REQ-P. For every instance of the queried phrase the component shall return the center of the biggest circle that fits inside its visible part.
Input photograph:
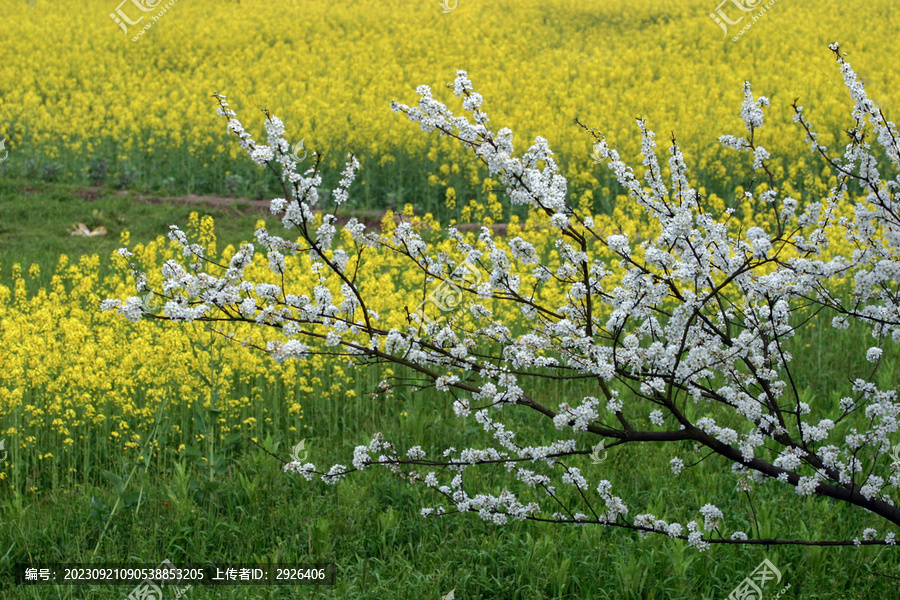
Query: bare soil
(371, 218)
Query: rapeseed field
(80, 101)
(88, 384)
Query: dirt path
(371, 218)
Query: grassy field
(226, 500)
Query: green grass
(370, 527)
(388, 181)
(36, 220)
(229, 502)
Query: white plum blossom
(712, 516)
(618, 243)
(110, 303)
(307, 470)
(415, 453)
(335, 474)
(691, 322)
(807, 486)
(282, 351)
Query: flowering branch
(692, 328)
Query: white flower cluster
(577, 418)
(703, 313)
(712, 516)
(308, 470)
(695, 537)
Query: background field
(138, 444)
(80, 102)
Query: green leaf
(200, 421)
(232, 439)
(190, 452)
(116, 482)
(133, 498)
(98, 508)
